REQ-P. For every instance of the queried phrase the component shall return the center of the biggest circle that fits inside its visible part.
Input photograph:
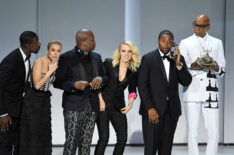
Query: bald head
(203, 18)
(85, 40)
(83, 34)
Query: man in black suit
(14, 72)
(80, 74)
(158, 79)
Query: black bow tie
(27, 58)
(166, 57)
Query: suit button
(201, 79)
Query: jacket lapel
(79, 65)
(171, 71)
(125, 78)
(94, 64)
(21, 60)
(161, 65)
(116, 72)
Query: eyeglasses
(199, 26)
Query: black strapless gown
(35, 124)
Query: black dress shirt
(85, 60)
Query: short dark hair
(167, 32)
(27, 38)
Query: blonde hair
(53, 42)
(135, 59)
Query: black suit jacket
(71, 70)
(154, 88)
(113, 93)
(12, 83)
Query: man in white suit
(202, 94)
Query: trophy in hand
(206, 60)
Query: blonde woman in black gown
(35, 123)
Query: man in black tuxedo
(14, 71)
(80, 74)
(158, 79)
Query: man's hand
(153, 116)
(81, 85)
(177, 55)
(195, 65)
(5, 121)
(95, 83)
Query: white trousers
(211, 120)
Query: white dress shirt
(166, 63)
(26, 63)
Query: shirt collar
(204, 38)
(81, 52)
(162, 54)
(23, 54)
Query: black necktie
(27, 58)
(166, 57)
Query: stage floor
(138, 150)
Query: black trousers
(159, 137)
(119, 123)
(9, 140)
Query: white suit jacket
(204, 86)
